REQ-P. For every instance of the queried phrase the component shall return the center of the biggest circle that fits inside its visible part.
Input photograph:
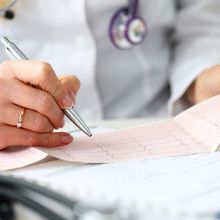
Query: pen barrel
(12, 50)
(16, 50)
(77, 120)
(71, 116)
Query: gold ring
(20, 119)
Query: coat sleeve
(197, 46)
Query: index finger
(12, 136)
(39, 74)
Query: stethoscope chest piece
(127, 29)
(136, 30)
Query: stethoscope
(126, 30)
(42, 201)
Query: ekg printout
(20, 157)
(196, 130)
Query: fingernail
(66, 139)
(67, 101)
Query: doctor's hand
(205, 86)
(31, 91)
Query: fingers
(65, 95)
(40, 74)
(71, 85)
(34, 72)
(32, 120)
(35, 99)
(11, 136)
(42, 103)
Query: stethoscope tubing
(133, 7)
(21, 184)
(11, 4)
(17, 196)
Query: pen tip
(90, 135)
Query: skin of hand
(34, 87)
(205, 86)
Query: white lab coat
(72, 35)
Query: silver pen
(15, 53)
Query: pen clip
(9, 53)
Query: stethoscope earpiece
(126, 28)
(9, 15)
(5, 9)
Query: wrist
(190, 94)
